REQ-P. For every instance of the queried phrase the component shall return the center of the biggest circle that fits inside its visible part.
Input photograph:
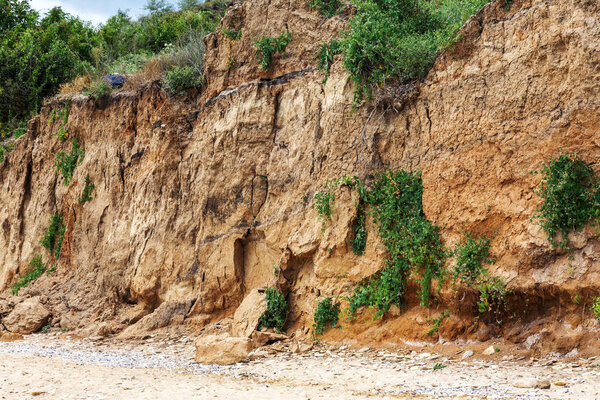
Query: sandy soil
(44, 367)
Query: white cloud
(89, 10)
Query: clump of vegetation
(277, 310)
(269, 46)
(55, 233)
(437, 322)
(391, 40)
(413, 243)
(233, 34)
(326, 313)
(325, 56)
(66, 163)
(329, 8)
(86, 195)
(324, 206)
(180, 79)
(596, 307)
(471, 256)
(571, 197)
(36, 269)
(492, 296)
(63, 116)
(99, 89)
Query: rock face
(198, 200)
(223, 350)
(27, 317)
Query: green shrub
(388, 40)
(324, 206)
(233, 34)
(472, 255)
(37, 268)
(55, 233)
(596, 307)
(66, 163)
(437, 322)
(438, 366)
(325, 56)
(99, 89)
(326, 313)
(63, 116)
(276, 313)
(571, 197)
(492, 296)
(86, 195)
(179, 79)
(329, 8)
(269, 46)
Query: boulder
(260, 338)
(247, 315)
(27, 317)
(222, 349)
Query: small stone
(364, 349)
(530, 383)
(467, 354)
(560, 383)
(489, 351)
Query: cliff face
(198, 199)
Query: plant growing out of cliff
(438, 321)
(233, 34)
(277, 310)
(359, 242)
(86, 195)
(55, 233)
(329, 8)
(324, 206)
(596, 307)
(36, 269)
(325, 56)
(66, 163)
(471, 256)
(5, 149)
(63, 116)
(267, 47)
(413, 243)
(571, 197)
(492, 296)
(326, 314)
(180, 79)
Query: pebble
(466, 354)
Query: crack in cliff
(280, 80)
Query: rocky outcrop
(198, 200)
(223, 350)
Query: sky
(95, 11)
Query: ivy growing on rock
(326, 314)
(329, 8)
(571, 197)
(471, 257)
(66, 163)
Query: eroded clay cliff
(199, 199)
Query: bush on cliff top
(392, 39)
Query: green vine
(325, 56)
(277, 310)
(86, 195)
(66, 163)
(571, 197)
(326, 313)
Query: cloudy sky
(92, 10)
